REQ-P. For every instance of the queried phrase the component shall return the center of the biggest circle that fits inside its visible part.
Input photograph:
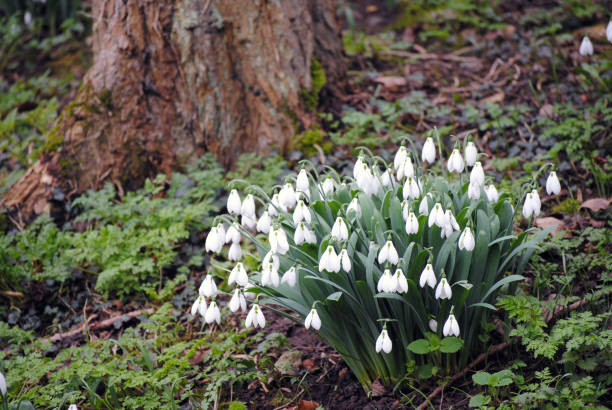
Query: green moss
(568, 206)
(318, 80)
(306, 141)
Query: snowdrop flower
(278, 241)
(329, 260)
(271, 258)
(358, 168)
(446, 230)
(471, 154)
(402, 283)
(255, 317)
(537, 205)
(424, 205)
(247, 294)
(412, 224)
(384, 342)
(451, 327)
(301, 183)
(451, 219)
(328, 186)
(199, 306)
(290, 277)
(233, 203)
(301, 213)
(312, 320)
(238, 275)
(263, 225)
(433, 325)
(248, 207)
(436, 216)
(339, 231)
(2, 385)
(221, 236)
(235, 252)
(586, 47)
(473, 191)
(233, 234)
(466, 239)
(443, 291)
(368, 183)
(354, 206)
(73, 407)
(428, 277)
(400, 158)
(455, 162)
(309, 236)
(208, 287)
(237, 301)
(213, 314)
(405, 209)
(345, 261)
(408, 168)
(491, 191)
(27, 19)
(387, 282)
(429, 151)
(269, 275)
(248, 222)
(387, 178)
(287, 196)
(477, 175)
(275, 205)
(213, 242)
(388, 253)
(609, 31)
(411, 188)
(528, 205)
(300, 234)
(552, 182)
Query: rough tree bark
(172, 79)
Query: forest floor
(507, 73)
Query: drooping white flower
(450, 224)
(471, 154)
(213, 314)
(491, 191)
(451, 219)
(405, 209)
(301, 183)
(433, 325)
(537, 204)
(354, 206)
(329, 260)
(345, 261)
(328, 186)
(312, 319)
(408, 168)
(358, 168)
(301, 213)
(278, 241)
(436, 216)
(271, 257)
(248, 222)
(412, 224)
(473, 191)
(310, 236)
(339, 231)
(238, 275)
(27, 19)
(208, 287)
(255, 317)
(247, 294)
(287, 196)
(428, 277)
(384, 342)
(199, 306)
(233, 234)
(387, 178)
(237, 301)
(477, 175)
(528, 205)
(233, 203)
(73, 407)
(300, 234)
(2, 385)
(451, 327)
(455, 162)
(248, 207)
(275, 205)
(586, 47)
(387, 282)
(443, 291)
(609, 31)
(263, 225)
(412, 189)
(424, 205)
(221, 233)
(269, 275)
(235, 252)
(466, 239)
(388, 253)
(290, 277)
(429, 151)
(368, 182)
(213, 244)
(400, 158)
(402, 283)
(552, 182)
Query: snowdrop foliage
(392, 246)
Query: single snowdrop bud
(238, 275)
(537, 204)
(328, 186)
(412, 224)
(301, 183)
(208, 287)
(408, 167)
(436, 216)
(271, 257)
(2, 385)
(300, 234)
(221, 236)
(339, 231)
(301, 213)
(451, 218)
(278, 241)
(269, 275)
(387, 178)
(428, 277)
(455, 162)
(412, 189)
(358, 168)
(354, 206)
(255, 317)
(287, 196)
(477, 175)
(290, 277)
(402, 283)
(451, 327)
(388, 253)
(429, 151)
(248, 222)
(528, 205)
(466, 240)
(235, 252)
(405, 209)
(387, 282)
(609, 31)
(384, 342)
(248, 207)
(213, 314)
(400, 158)
(237, 301)
(312, 320)
(473, 191)
(345, 261)
(199, 306)
(491, 191)
(443, 291)
(471, 154)
(233, 234)
(433, 325)
(264, 222)
(213, 244)
(586, 47)
(424, 205)
(329, 260)
(552, 182)
(233, 203)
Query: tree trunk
(172, 79)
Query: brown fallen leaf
(551, 221)
(308, 364)
(547, 111)
(307, 405)
(391, 81)
(495, 98)
(378, 389)
(596, 204)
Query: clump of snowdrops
(392, 265)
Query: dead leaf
(596, 204)
(372, 8)
(378, 389)
(546, 111)
(391, 82)
(307, 405)
(551, 221)
(308, 364)
(495, 98)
